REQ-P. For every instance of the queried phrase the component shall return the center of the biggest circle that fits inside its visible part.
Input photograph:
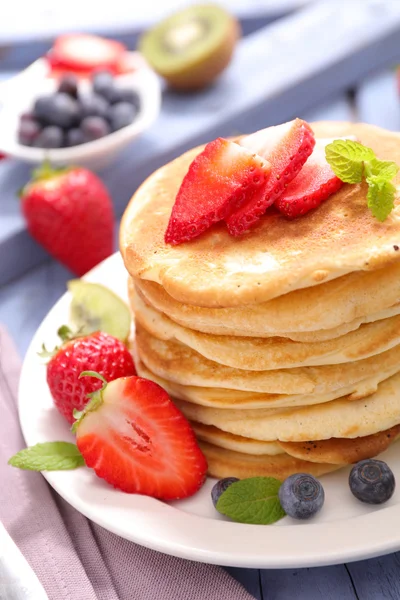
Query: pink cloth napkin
(73, 558)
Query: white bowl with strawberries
(82, 104)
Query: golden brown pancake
(263, 354)
(227, 463)
(265, 320)
(340, 450)
(337, 451)
(176, 362)
(277, 256)
(252, 404)
(238, 443)
(337, 419)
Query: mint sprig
(253, 500)
(49, 456)
(352, 163)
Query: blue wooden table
(30, 282)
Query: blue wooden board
(276, 75)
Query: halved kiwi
(192, 47)
(96, 308)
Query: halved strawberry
(286, 147)
(81, 52)
(135, 438)
(314, 184)
(218, 181)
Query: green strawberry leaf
(254, 500)
(347, 158)
(49, 456)
(380, 197)
(96, 399)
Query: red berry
(218, 181)
(98, 352)
(314, 184)
(81, 52)
(70, 213)
(287, 148)
(139, 442)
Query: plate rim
(212, 540)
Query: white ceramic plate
(18, 94)
(345, 530)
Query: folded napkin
(73, 558)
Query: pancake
(176, 362)
(223, 439)
(339, 450)
(288, 316)
(337, 419)
(259, 354)
(227, 463)
(278, 255)
(243, 405)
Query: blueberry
(74, 137)
(58, 109)
(103, 84)
(372, 481)
(220, 487)
(301, 496)
(93, 105)
(50, 137)
(94, 128)
(28, 131)
(121, 114)
(125, 95)
(69, 85)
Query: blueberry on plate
(28, 131)
(103, 84)
(372, 481)
(69, 85)
(93, 105)
(220, 487)
(50, 137)
(57, 109)
(121, 114)
(74, 137)
(94, 128)
(301, 496)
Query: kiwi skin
(199, 76)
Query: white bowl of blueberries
(77, 121)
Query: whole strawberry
(98, 352)
(69, 212)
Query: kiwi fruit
(192, 47)
(96, 308)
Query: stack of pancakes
(282, 347)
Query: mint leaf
(254, 500)
(49, 456)
(385, 169)
(380, 197)
(347, 158)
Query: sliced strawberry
(218, 181)
(135, 438)
(286, 147)
(79, 52)
(314, 184)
